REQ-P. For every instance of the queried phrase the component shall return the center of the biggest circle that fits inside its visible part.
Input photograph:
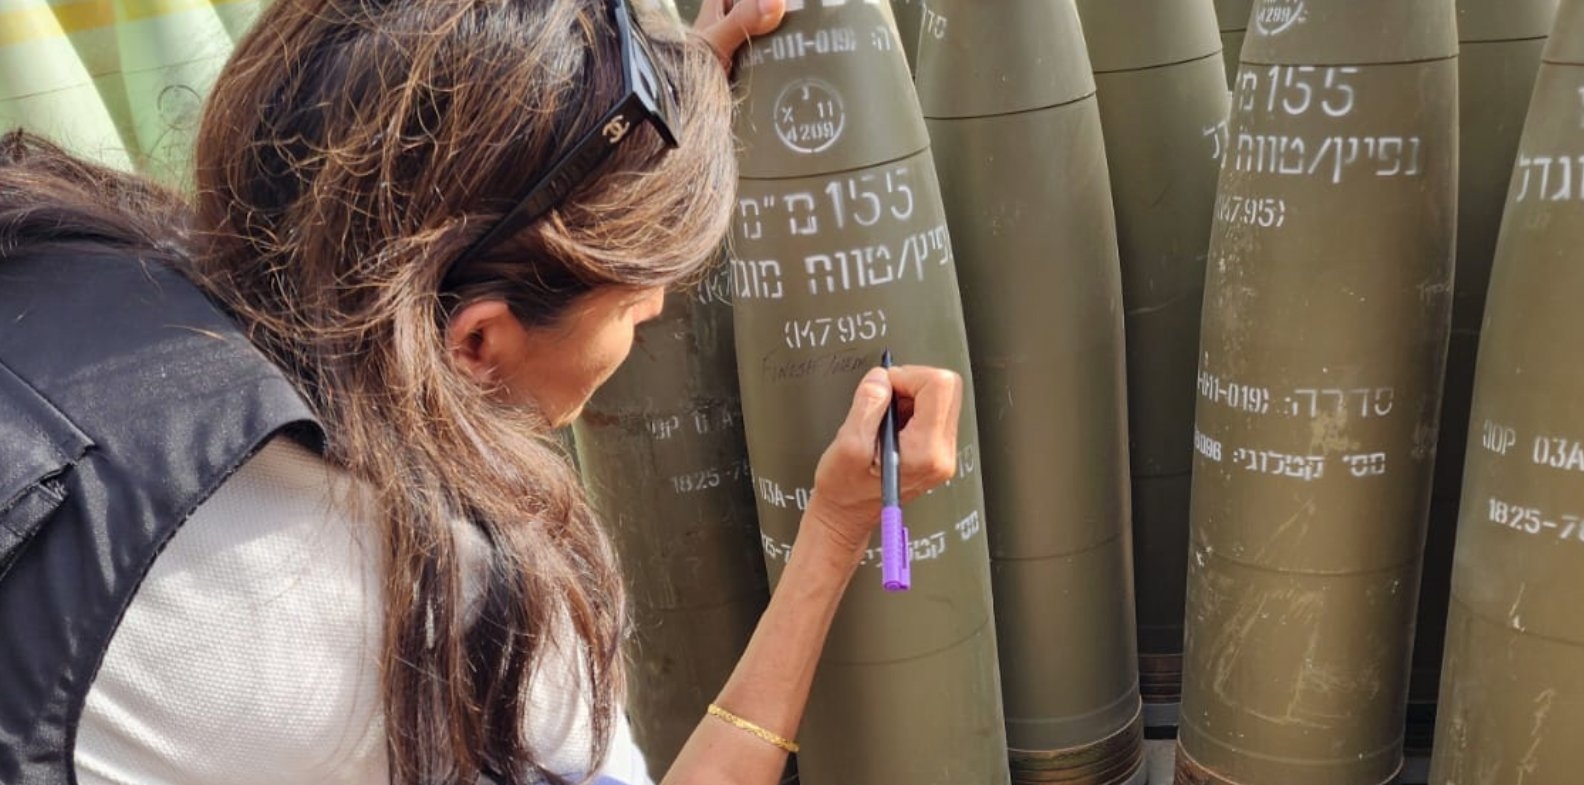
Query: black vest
(126, 399)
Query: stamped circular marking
(1275, 17)
(809, 116)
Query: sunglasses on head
(649, 98)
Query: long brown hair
(351, 149)
(50, 199)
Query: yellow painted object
(45, 87)
(171, 51)
(90, 24)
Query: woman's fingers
(847, 482)
(928, 440)
(858, 432)
(728, 24)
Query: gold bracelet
(742, 724)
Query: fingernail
(875, 376)
(767, 8)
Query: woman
(431, 220)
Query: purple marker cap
(896, 572)
(907, 560)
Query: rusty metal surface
(1115, 760)
(1160, 678)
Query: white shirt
(250, 654)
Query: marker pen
(895, 572)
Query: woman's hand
(728, 24)
(846, 499)
(770, 684)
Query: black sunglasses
(649, 98)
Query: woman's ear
(482, 338)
